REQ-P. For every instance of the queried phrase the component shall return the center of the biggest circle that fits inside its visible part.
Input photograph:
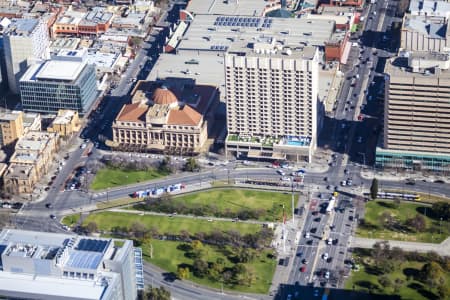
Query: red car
(303, 269)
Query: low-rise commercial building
(214, 34)
(426, 27)
(52, 266)
(33, 155)
(79, 23)
(417, 106)
(165, 119)
(11, 127)
(255, 8)
(66, 123)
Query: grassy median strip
(113, 177)
(230, 203)
(165, 224)
(412, 222)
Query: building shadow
(309, 292)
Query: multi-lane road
(344, 139)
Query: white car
(281, 172)
(343, 183)
(325, 256)
(360, 139)
(327, 275)
(307, 235)
(330, 241)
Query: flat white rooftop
(205, 69)
(228, 7)
(47, 287)
(217, 33)
(61, 70)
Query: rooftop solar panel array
(84, 260)
(92, 245)
(243, 21)
(219, 48)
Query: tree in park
(441, 210)
(200, 267)
(183, 273)
(191, 165)
(91, 227)
(245, 254)
(385, 281)
(197, 245)
(398, 283)
(138, 229)
(418, 223)
(443, 291)
(154, 293)
(432, 274)
(374, 189)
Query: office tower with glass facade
(25, 41)
(59, 84)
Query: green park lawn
(410, 289)
(109, 177)
(168, 256)
(224, 201)
(373, 227)
(165, 224)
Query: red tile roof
(132, 113)
(184, 116)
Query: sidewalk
(442, 248)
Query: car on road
(303, 269)
(343, 183)
(360, 139)
(325, 256)
(281, 172)
(52, 217)
(317, 219)
(327, 275)
(439, 181)
(329, 241)
(304, 261)
(48, 205)
(307, 235)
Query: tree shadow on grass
(411, 272)
(427, 212)
(372, 270)
(185, 265)
(387, 204)
(424, 292)
(372, 287)
(184, 247)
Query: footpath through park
(441, 249)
